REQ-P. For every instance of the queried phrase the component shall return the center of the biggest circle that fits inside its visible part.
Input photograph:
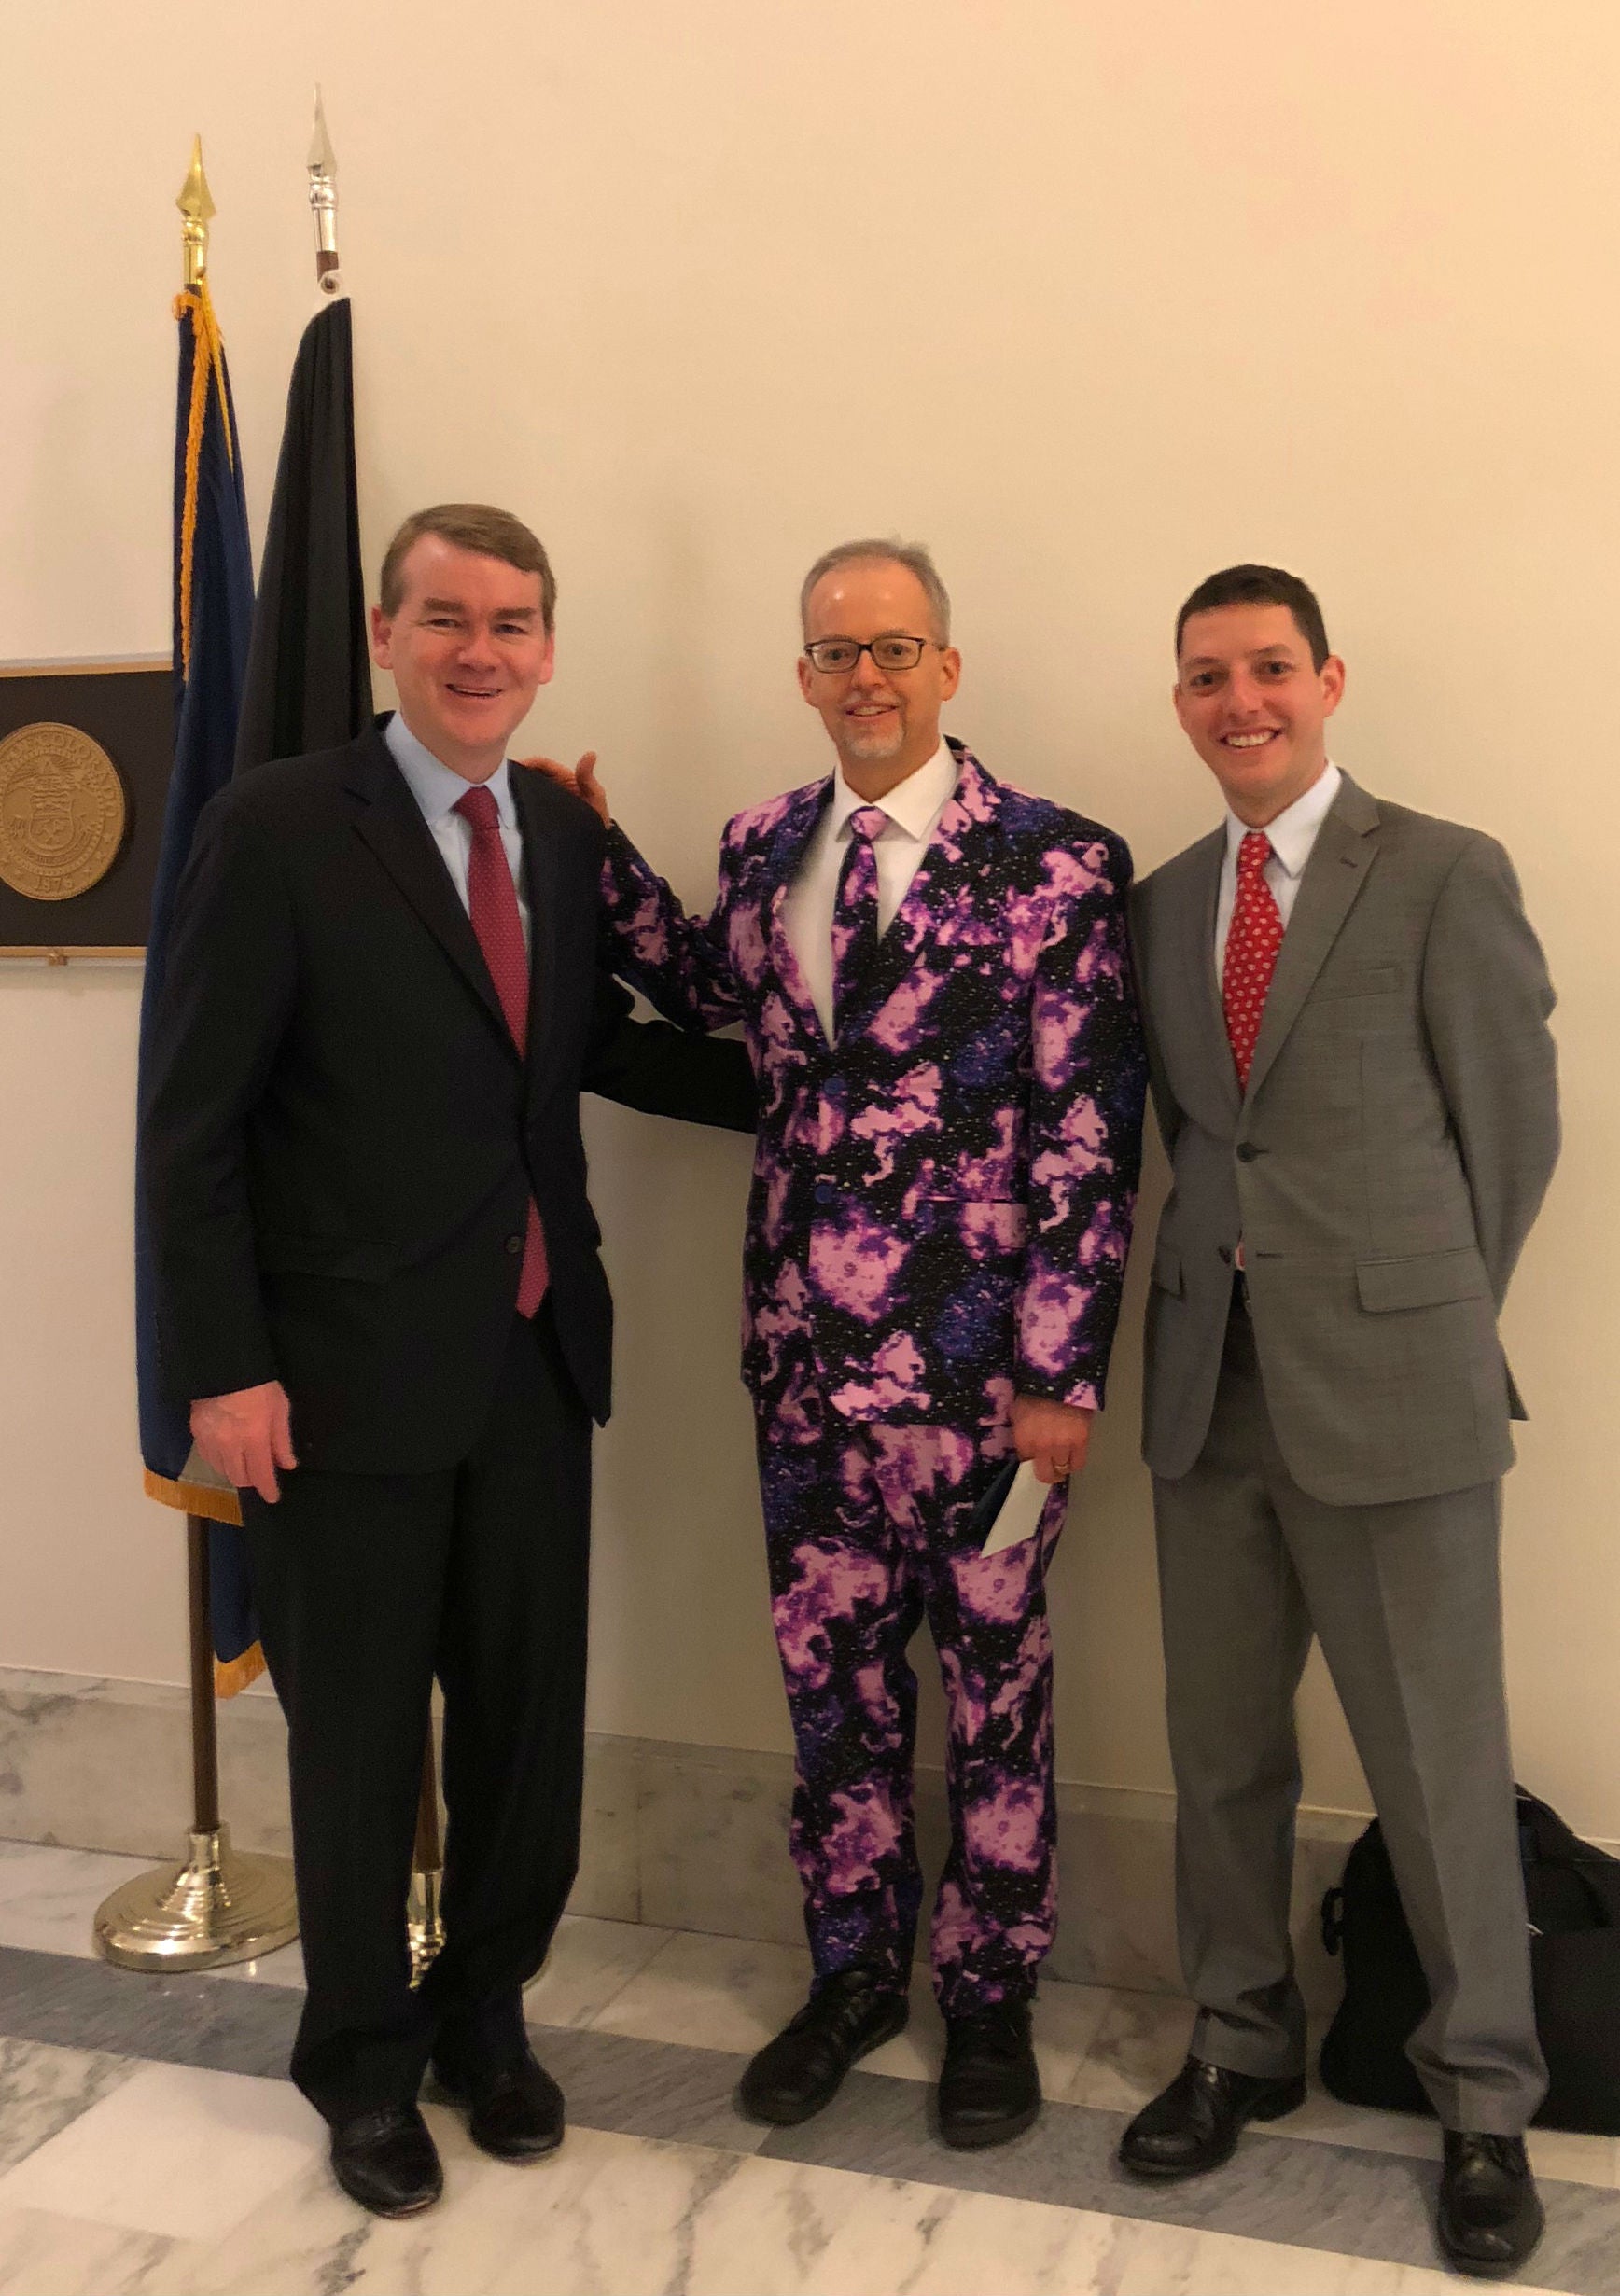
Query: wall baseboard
(684, 1837)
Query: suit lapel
(1345, 848)
(541, 868)
(389, 820)
(788, 842)
(1196, 920)
(969, 819)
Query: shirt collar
(1294, 831)
(913, 805)
(436, 788)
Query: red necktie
(491, 900)
(1252, 946)
(855, 913)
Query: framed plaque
(85, 753)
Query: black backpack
(1572, 1891)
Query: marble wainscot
(680, 1837)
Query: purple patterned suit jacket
(942, 1203)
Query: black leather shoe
(385, 2160)
(513, 2112)
(1490, 2217)
(799, 2071)
(989, 2088)
(1195, 2122)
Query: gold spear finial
(196, 203)
(323, 168)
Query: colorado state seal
(62, 811)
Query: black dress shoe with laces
(989, 2088)
(1195, 2122)
(514, 2112)
(385, 2159)
(799, 2071)
(1490, 2217)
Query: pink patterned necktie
(855, 913)
(491, 900)
(1252, 946)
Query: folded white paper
(1020, 1510)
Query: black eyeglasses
(836, 656)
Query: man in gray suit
(1347, 1018)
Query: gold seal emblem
(62, 811)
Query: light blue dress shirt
(436, 790)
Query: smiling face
(1255, 706)
(468, 648)
(884, 723)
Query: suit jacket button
(825, 1192)
(1247, 1151)
(514, 1244)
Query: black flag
(309, 675)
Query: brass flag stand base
(423, 1923)
(219, 1904)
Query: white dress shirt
(1292, 835)
(436, 790)
(913, 808)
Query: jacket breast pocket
(1362, 981)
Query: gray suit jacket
(1383, 1168)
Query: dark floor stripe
(1330, 2197)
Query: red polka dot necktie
(855, 913)
(491, 900)
(1252, 946)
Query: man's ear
(382, 637)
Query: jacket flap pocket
(1167, 1269)
(1429, 1280)
(358, 1262)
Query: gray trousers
(1406, 1601)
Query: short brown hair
(470, 526)
(1260, 585)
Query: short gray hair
(885, 550)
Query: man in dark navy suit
(379, 1290)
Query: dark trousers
(368, 1587)
(1405, 1600)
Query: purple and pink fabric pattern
(940, 1215)
(942, 1205)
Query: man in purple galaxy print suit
(937, 1231)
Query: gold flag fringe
(200, 1499)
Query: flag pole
(425, 1926)
(218, 1905)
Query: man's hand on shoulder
(579, 781)
(1054, 1435)
(246, 1436)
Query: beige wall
(1092, 299)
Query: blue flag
(213, 623)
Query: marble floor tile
(712, 1992)
(616, 2216)
(177, 2150)
(169, 2020)
(1139, 2042)
(657, 2089)
(49, 1897)
(46, 2254)
(1565, 2156)
(283, 1968)
(590, 1963)
(42, 2089)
